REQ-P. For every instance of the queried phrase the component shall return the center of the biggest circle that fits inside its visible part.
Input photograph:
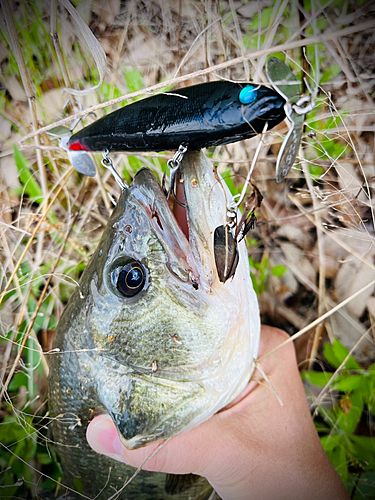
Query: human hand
(255, 448)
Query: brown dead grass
(320, 228)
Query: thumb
(178, 455)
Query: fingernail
(103, 438)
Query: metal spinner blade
(288, 86)
(81, 160)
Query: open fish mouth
(174, 344)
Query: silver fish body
(164, 360)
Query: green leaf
(347, 383)
(278, 271)
(134, 80)
(364, 448)
(252, 242)
(265, 17)
(317, 378)
(332, 71)
(330, 355)
(320, 427)
(339, 461)
(20, 379)
(78, 484)
(331, 442)
(363, 459)
(31, 187)
(365, 486)
(229, 181)
(316, 170)
(335, 354)
(44, 458)
(255, 284)
(110, 91)
(369, 394)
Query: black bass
(151, 336)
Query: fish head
(170, 344)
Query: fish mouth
(187, 231)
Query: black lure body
(209, 114)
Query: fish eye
(130, 279)
(248, 94)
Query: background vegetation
(313, 246)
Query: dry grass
(313, 248)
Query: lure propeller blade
(80, 160)
(283, 80)
(288, 86)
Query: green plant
(259, 271)
(24, 442)
(347, 443)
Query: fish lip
(190, 257)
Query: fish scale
(152, 338)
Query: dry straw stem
(17, 52)
(332, 235)
(368, 25)
(318, 320)
(41, 299)
(322, 267)
(41, 220)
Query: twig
(39, 304)
(256, 53)
(318, 320)
(28, 244)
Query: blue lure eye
(248, 94)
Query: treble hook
(174, 165)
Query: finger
(186, 453)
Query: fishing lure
(191, 118)
(209, 114)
